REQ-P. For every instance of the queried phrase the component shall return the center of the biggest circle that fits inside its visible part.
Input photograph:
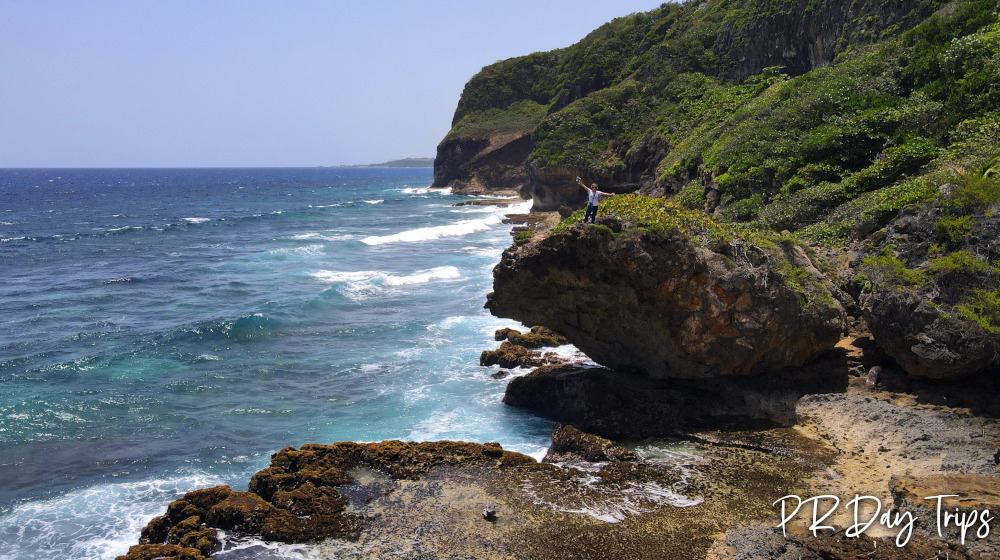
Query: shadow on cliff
(630, 406)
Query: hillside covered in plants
(868, 130)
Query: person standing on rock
(593, 196)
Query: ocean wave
(197, 220)
(474, 209)
(362, 284)
(425, 190)
(249, 327)
(463, 227)
(100, 521)
(381, 278)
(377, 201)
(322, 237)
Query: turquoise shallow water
(165, 330)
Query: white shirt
(593, 197)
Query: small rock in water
(490, 513)
(500, 374)
(873, 374)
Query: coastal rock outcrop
(425, 500)
(929, 292)
(656, 303)
(569, 443)
(483, 165)
(538, 337)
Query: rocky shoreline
(641, 465)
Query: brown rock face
(161, 552)
(556, 187)
(569, 443)
(655, 303)
(511, 355)
(538, 337)
(483, 165)
(921, 324)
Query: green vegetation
(983, 309)
(523, 237)
(901, 114)
(833, 151)
(743, 245)
(518, 117)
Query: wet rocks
(511, 355)
(161, 552)
(297, 499)
(569, 443)
(654, 302)
(185, 525)
(538, 337)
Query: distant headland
(405, 162)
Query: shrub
(983, 309)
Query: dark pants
(590, 214)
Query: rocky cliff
(671, 301)
(608, 107)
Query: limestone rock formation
(656, 303)
(927, 299)
(483, 165)
(538, 337)
(569, 443)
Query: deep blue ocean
(166, 330)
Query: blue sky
(137, 83)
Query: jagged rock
(539, 337)
(296, 498)
(242, 512)
(500, 374)
(191, 534)
(156, 531)
(483, 165)
(161, 552)
(569, 443)
(183, 523)
(511, 356)
(502, 334)
(656, 303)
(920, 322)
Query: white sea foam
(197, 220)
(463, 227)
(323, 237)
(610, 503)
(424, 276)
(440, 425)
(362, 284)
(378, 201)
(100, 521)
(474, 209)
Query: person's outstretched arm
(580, 182)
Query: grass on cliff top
(519, 117)
(658, 214)
(740, 243)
